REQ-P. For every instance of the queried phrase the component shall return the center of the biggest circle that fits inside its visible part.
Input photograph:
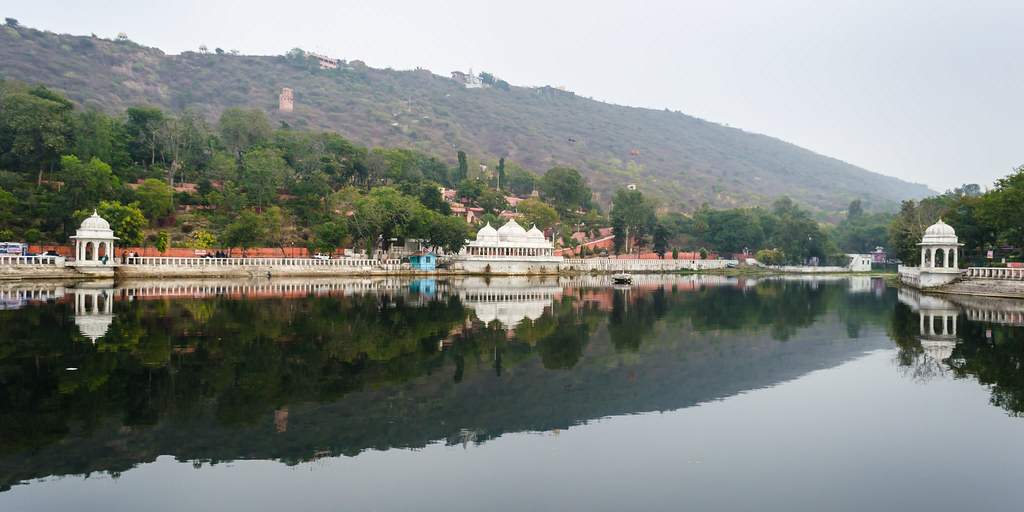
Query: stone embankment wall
(984, 287)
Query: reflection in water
(295, 370)
(968, 336)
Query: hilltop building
(285, 102)
(468, 80)
(324, 61)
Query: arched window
(939, 258)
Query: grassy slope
(683, 160)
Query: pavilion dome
(95, 227)
(536, 235)
(512, 232)
(487, 234)
(939, 233)
(95, 223)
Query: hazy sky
(929, 91)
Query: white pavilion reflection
(509, 301)
(94, 311)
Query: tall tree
(501, 174)
(242, 129)
(263, 171)
(463, 171)
(855, 210)
(35, 127)
(566, 189)
(143, 126)
(538, 213)
(86, 183)
(155, 198)
(633, 214)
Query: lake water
(678, 393)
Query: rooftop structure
(324, 61)
(469, 80)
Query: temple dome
(487, 234)
(512, 232)
(939, 233)
(95, 223)
(536, 235)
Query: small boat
(622, 278)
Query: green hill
(682, 160)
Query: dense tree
(35, 128)
(245, 232)
(329, 236)
(537, 213)
(519, 181)
(97, 135)
(263, 172)
(795, 233)
(126, 220)
(492, 201)
(566, 189)
(632, 217)
(143, 126)
(660, 239)
(855, 210)
(86, 183)
(155, 198)
(242, 129)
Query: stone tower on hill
(285, 102)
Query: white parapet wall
(927, 277)
(147, 266)
(641, 265)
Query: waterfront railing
(1014, 274)
(261, 262)
(8, 259)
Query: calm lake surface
(678, 393)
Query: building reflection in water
(507, 300)
(94, 310)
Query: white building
(509, 250)
(94, 243)
(940, 260)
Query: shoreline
(120, 273)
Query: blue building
(423, 261)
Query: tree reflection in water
(294, 378)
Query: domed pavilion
(94, 242)
(510, 249)
(940, 260)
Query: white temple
(94, 243)
(509, 249)
(940, 258)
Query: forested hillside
(681, 160)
